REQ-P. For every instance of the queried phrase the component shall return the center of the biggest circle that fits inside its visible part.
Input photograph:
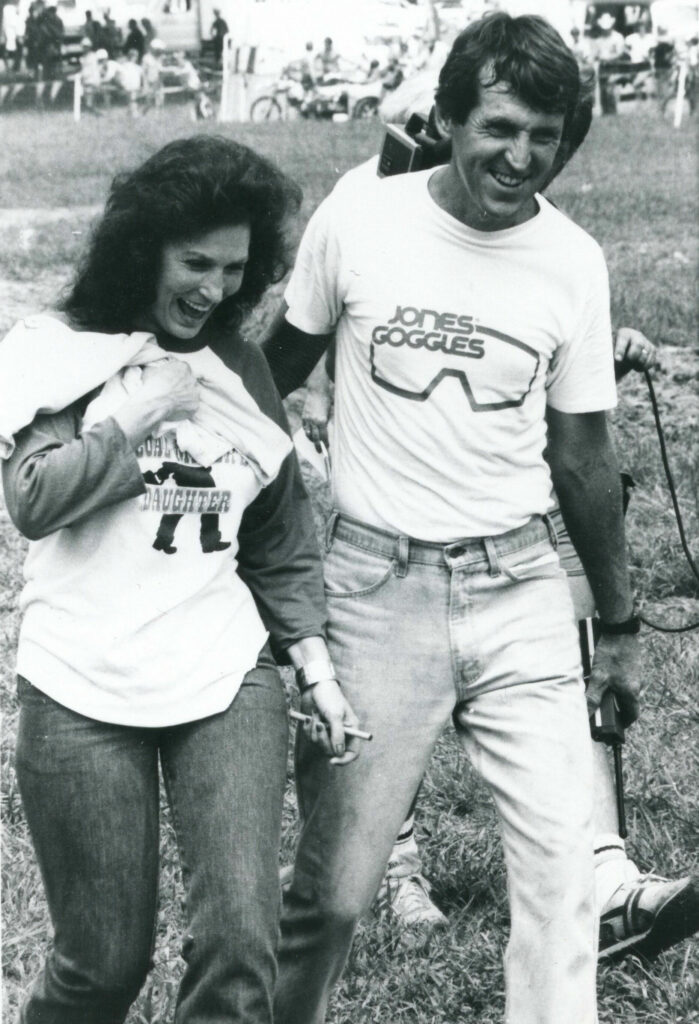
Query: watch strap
(629, 627)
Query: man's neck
(449, 194)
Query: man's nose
(519, 153)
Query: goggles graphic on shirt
(417, 349)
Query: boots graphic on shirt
(186, 476)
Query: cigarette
(349, 731)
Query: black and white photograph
(349, 519)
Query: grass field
(634, 188)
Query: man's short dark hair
(526, 53)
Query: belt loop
(492, 556)
(553, 536)
(330, 528)
(403, 555)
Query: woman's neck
(169, 342)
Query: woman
(171, 536)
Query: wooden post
(77, 97)
(679, 100)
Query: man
(607, 49)
(463, 304)
(50, 40)
(12, 35)
(152, 71)
(219, 30)
(90, 75)
(663, 57)
(579, 45)
(640, 914)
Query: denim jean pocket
(538, 561)
(355, 572)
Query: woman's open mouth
(193, 310)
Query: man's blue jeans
(480, 631)
(90, 792)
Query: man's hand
(331, 714)
(315, 417)
(633, 351)
(616, 666)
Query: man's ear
(443, 124)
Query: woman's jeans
(480, 631)
(90, 792)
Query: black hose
(678, 515)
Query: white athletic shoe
(407, 899)
(648, 915)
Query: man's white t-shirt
(450, 344)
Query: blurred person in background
(129, 78)
(639, 43)
(327, 61)
(49, 44)
(90, 76)
(663, 55)
(607, 44)
(201, 106)
(111, 38)
(152, 67)
(607, 48)
(92, 29)
(31, 35)
(580, 46)
(149, 32)
(11, 32)
(135, 39)
(135, 649)
(219, 31)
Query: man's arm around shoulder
(586, 478)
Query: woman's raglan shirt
(153, 582)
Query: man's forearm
(589, 491)
(291, 353)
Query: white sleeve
(581, 374)
(314, 293)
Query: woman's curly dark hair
(187, 188)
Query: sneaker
(647, 916)
(407, 899)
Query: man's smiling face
(501, 156)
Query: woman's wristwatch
(314, 672)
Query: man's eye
(196, 265)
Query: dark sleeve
(291, 353)
(278, 555)
(58, 474)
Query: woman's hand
(169, 391)
(331, 714)
(171, 384)
(633, 351)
